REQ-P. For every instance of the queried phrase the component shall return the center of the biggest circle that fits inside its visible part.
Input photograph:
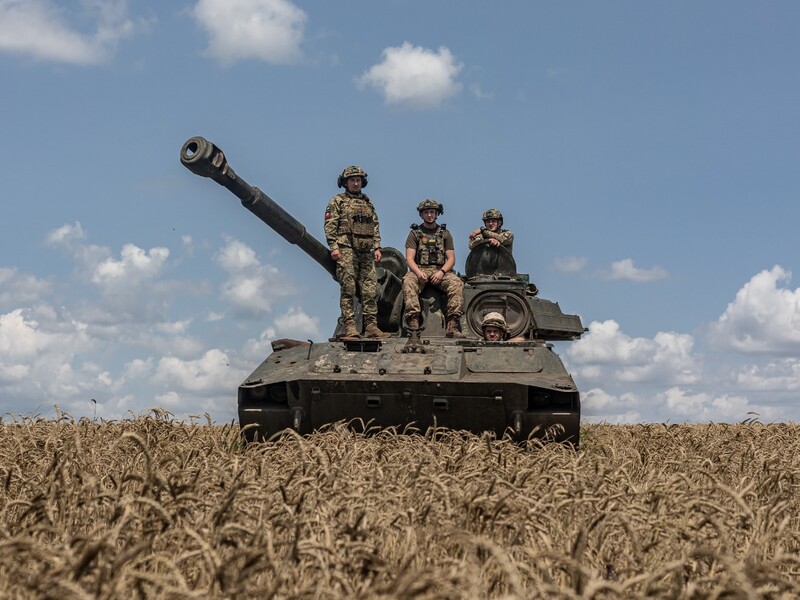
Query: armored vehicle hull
(522, 389)
(415, 379)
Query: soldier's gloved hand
(336, 255)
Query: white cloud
(414, 77)
(71, 238)
(700, 408)
(20, 288)
(40, 29)
(268, 30)
(134, 266)
(779, 376)
(625, 270)
(605, 354)
(600, 406)
(570, 264)
(21, 338)
(41, 361)
(674, 405)
(295, 323)
(66, 235)
(212, 373)
(251, 288)
(763, 318)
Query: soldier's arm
(332, 214)
(376, 239)
(504, 238)
(451, 260)
(475, 241)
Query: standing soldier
(431, 257)
(492, 231)
(353, 234)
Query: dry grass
(154, 508)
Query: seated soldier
(430, 256)
(492, 231)
(495, 329)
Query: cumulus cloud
(212, 373)
(414, 77)
(66, 235)
(295, 323)
(134, 266)
(570, 264)
(268, 30)
(780, 375)
(675, 405)
(598, 405)
(20, 288)
(71, 238)
(41, 362)
(625, 270)
(764, 317)
(251, 288)
(40, 29)
(704, 407)
(606, 354)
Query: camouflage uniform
(504, 236)
(431, 245)
(352, 227)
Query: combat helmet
(493, 213)
(352, 171)
(494, 319)
(430, 203)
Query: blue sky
(645, 154)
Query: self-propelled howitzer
(411, 380)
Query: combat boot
(413, 323)
(453, 329)
(350, 330)
(372, 331)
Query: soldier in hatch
(492, 231)
(495, 329)
(430, 256)
(353, 235)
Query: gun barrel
(205, 159)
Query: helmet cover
(352, 171)
(494, 319)
(493, 213)
(430, 203)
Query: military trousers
(450, 284)
(355, 271)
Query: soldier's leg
(411, 289)
(346, 274)
(368, 284)
(452, 285)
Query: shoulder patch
(443, 226)
(414, 226)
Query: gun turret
(203, 158)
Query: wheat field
(152, 507)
